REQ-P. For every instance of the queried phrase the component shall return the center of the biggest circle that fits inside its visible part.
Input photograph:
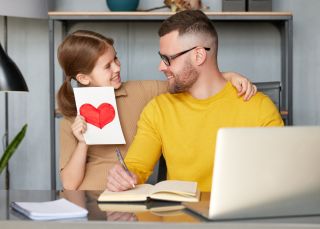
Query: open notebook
(51, 210)
(170, 190)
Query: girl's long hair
(78, 53)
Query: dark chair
(162, 169)
(159, 172)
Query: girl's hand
(79, 127)
(244, 86)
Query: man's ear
(201, 56)
(83, 79)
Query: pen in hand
(120, 159)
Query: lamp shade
(11, 78)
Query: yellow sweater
(184, 129)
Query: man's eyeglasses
(166, 59)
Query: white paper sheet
(109, 131)
(51, 210)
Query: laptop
(264, 172)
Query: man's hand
(119, 180)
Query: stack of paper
(57, 209)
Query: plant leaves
(12, 147)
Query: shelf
(139, 15)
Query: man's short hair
(190, 22)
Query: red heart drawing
(98, 117)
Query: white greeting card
(98, 106)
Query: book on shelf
(51, 210)
(169, 190)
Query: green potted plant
(9, 151)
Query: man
(182, 124)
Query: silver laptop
(264, 172)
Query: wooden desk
(100, 219)
(88, 200)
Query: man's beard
(184, 80)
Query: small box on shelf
(259, 5)
(234, 5)
(247, 5)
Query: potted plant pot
(122, 5)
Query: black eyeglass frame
(166, 59)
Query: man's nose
(162, 66)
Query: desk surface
(98, 218)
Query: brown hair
(78, 53)
(190, 22)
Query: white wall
(306, 59)
(28, 47)
(30, 52)
(25, 8)
(252, 49)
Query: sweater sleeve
(67, 142)
(145, 149)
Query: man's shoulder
(258, 101)
(260, 97)
(232, 93)
(262, 105)
(260, 110)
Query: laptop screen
(266, 172)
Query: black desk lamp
(11, 79)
